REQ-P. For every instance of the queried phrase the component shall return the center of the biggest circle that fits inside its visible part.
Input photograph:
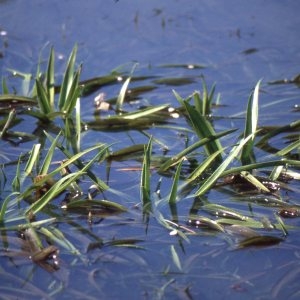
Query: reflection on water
(236, 43)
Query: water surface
(236, 43)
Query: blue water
(112, 33)
(238, 43)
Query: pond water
(234, 44)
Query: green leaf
(203, 167)
(8, 123)
(223, 212)
(16, 184)
(260, 165)
(145, 179)
(42, 98)
(176, 158)
(204, 104)
(251, 126)
(203, 129)
(143, 112)
(56, 236)
(5, 89)
(173, 193)
(247, 222)
(122, 95)
(48, 158)
(78, 125)
(75, 159)
(5, 204)
(67, 80)
(286, 128)
(73, 94)
(276, 172)
(25, 82)
(207, 184)
(50, 79)
(59, 187)
(206, 222)
(288, 149)
(34, 155)
(35, 243)
(26, 225)
(281, 224)
(255, 182)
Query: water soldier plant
(58, 176)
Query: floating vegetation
(250, 51)
(175, 81)
(184, 66)
(260, 241)
(295, 80)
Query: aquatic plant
(59, 176)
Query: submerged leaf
(144, 112)
(125, 243)
(9, 101)
(289, 212)
(295, 80)
(140, 119)
(95, 205)
(259, 241)
(282, 225)
(184, 66)
(241, 230)
(176, 258)
(175, 81)
(56, 236)
(44, 254)
(254, 181)
(127, 152)
(263, 142)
